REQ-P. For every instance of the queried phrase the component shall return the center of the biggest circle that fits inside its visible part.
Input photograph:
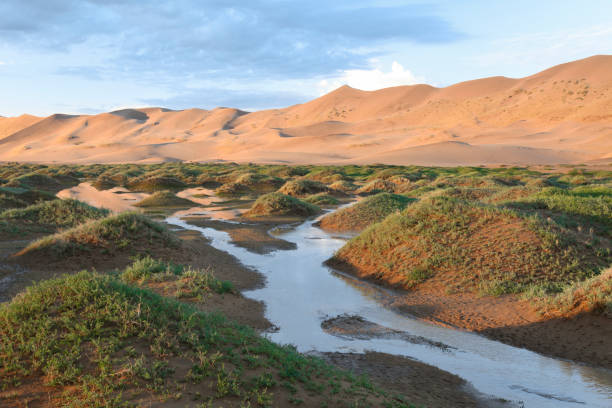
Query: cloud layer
(173, 43)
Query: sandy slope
(560, 115)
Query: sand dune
(560, 115)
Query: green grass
(474, 247)
(590, 206)
(233, 189)
(56, 213)
(302, 187)
(115, 233)
(165, 199)
(376, 186)
(281, 204)
(99, 341)
(156, 183)
(321, 199)
(370, 210)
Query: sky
(91, 56)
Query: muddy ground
(421, 383)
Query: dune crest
(560, 115)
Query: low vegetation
(302, 188)
(281, 204)
(322, 199)
(156, 183)
(233, 189)
(472, 247)
(98, 340)
(123, 232)
(165, 199)
(55, 214)
(368, 211)
(376, 186)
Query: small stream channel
(301, 292)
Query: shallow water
(301, 292)
(117, 199)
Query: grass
(281, 204)
(573, 207)
(593, 295)
(302, 188)
(111, 234)
(321, 199)
(473, 247)
(370, 210)
(165, 199)
(156, 183)
(96, 340)
(233, 189)
(56, 214)
(376, 186)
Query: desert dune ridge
(560, 115)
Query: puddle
(117, 199)
(301, 293)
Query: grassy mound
(165, 199)
(376, 186)
(327, 175)
(10, 201)
(25, 195)
(302, 188)
(366, 212)
(105, 182)
(577, 207)
(259, 182)
(56, 213)
(321, 199)
(34, 181)
(471, 247)
(343, 186)
(233, 190)
(281, 204)
(591, 296)
(94, 340)
(156, 183)
(123, 232)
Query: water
(301, 292)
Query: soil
(356, 327)
(419, 382)
(425, 385)
(255, 236)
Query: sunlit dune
(560, 115)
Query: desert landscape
(560, 115)
(325, 204)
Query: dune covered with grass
(99, 340)
(56, 213)
(368, 211)
(281, 204)
(164, 199)
(469, 246)
(125, 232)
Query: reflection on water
(301, 292)
(117, 199)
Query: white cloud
(372, 79)
(2, 63)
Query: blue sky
(89, 56)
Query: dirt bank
(425, 385)
(584, 338)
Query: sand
(560, 115)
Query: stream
(301, 292)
